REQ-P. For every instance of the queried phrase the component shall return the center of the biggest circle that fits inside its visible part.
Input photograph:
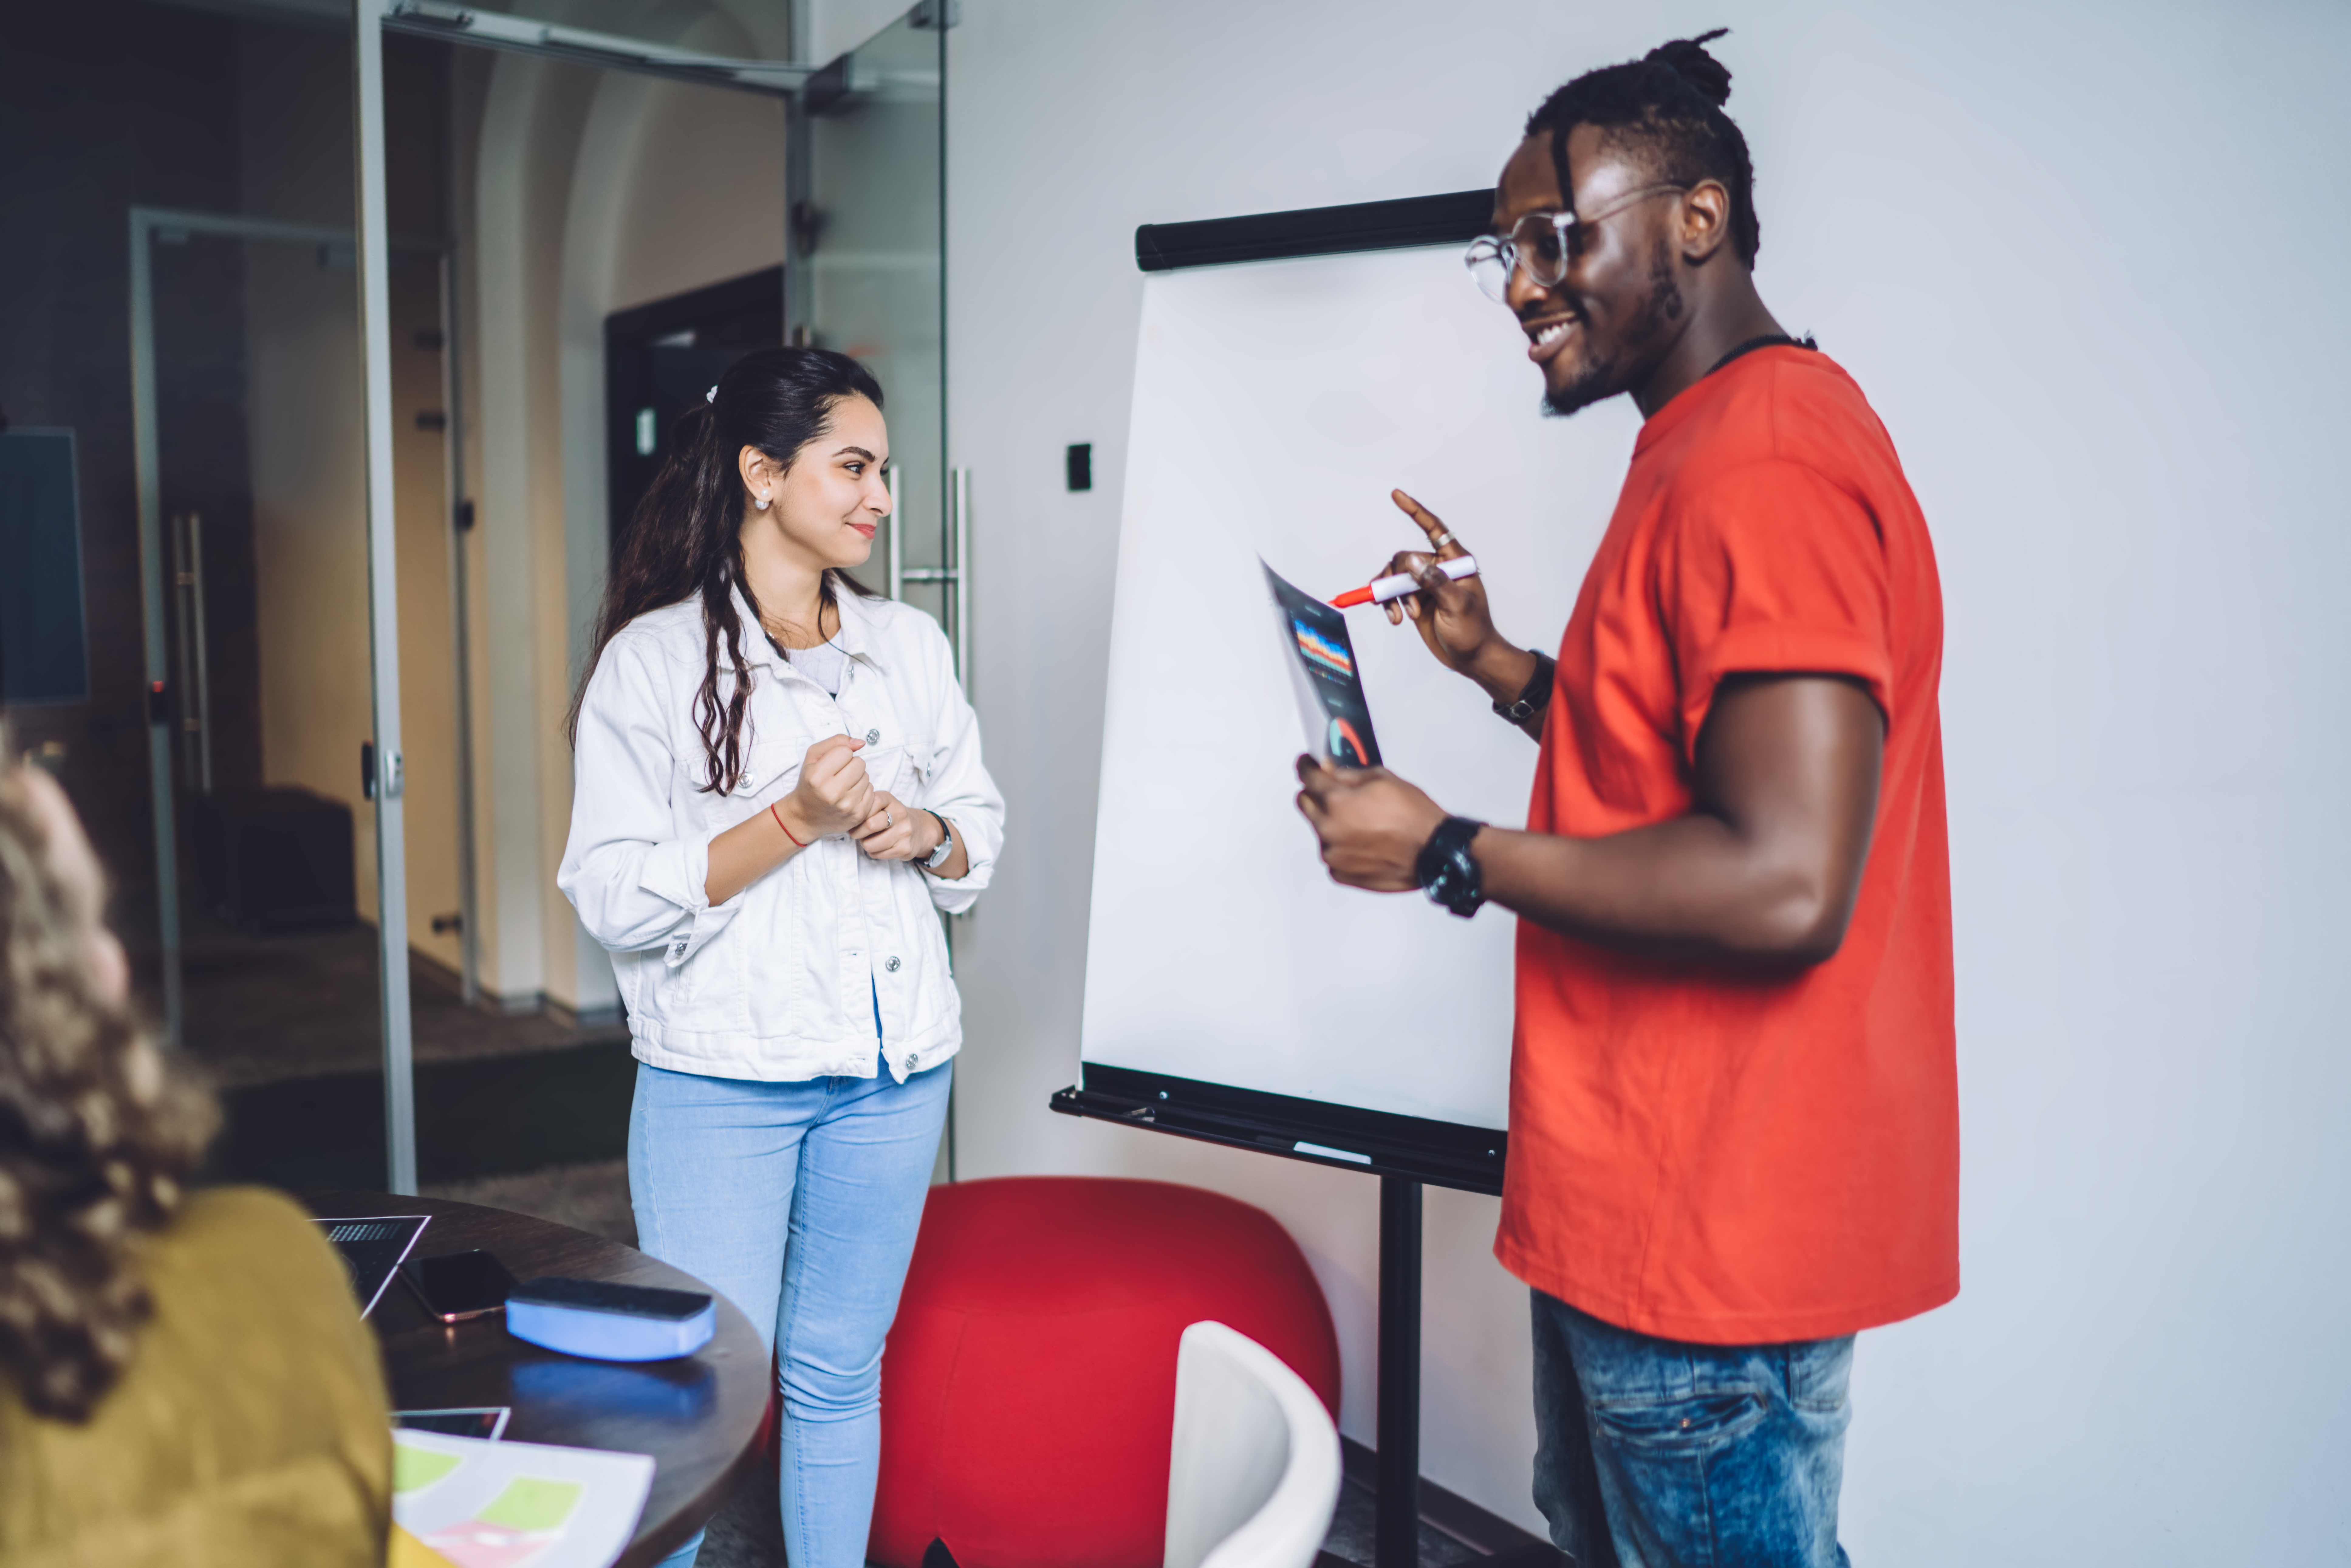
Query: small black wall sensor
(1082, 466)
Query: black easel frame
(1407, 1153)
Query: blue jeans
(1651, 1453)
(799, 1202)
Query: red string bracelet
(779, 822)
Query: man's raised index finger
(1440, 539)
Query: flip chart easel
(1405, 1152)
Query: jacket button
(890, 964)
(872, 737)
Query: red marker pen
(1396, 587)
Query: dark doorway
(660, 358)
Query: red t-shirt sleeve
(1773, 569)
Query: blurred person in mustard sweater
(185, 1378)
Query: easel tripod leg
(1396, 1539)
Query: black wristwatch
(1448, 873)
(1536, 697)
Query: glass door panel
(266, 857)
(866, 272)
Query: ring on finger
(1444, 537)
(885, 816)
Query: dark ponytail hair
(1667, 106)
(685, 536)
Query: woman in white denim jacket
(778, 784)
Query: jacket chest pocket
(913, 770)
(889, 768)
(770, 772)
(891, 752)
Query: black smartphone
(459, 1285)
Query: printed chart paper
(516, 1505)
(1321, 657)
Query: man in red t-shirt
(1734, 1124)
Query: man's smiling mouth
(1545, 339)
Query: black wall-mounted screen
(44, 646)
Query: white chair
(1254, 1477)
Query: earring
(763, 502)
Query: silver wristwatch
(946, 845)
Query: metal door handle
(897, 554)
(959, 502)
(389, 778)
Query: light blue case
(598, 1323)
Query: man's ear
(1706, 220)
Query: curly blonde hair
(96, 1136)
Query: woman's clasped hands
(835, 795)
(897, 832)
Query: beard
(1636, 348)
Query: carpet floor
(476, 1116)
(261, 1010)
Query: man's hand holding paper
(1372, 824)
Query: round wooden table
(699, 1415)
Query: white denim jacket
(781, 981)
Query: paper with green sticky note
(412, 1468)
(530, 1502)
(516, 1505)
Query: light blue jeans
(799, 1202)
(1652, 1453)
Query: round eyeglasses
(1540, 245)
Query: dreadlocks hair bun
(1701, 71)
(1664, 110)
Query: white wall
(2082, 259)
